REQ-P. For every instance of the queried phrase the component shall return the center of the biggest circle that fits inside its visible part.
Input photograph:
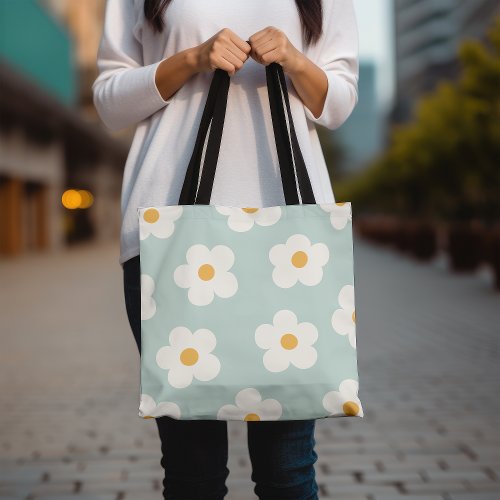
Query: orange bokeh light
(77, 198)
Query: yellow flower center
(350, 408)
(189, 356)
(252, 417)
(249, 210)
(299, 259)
(340, 203)
(206, 272)
(151, 215)
(289, 341)
(354, 317)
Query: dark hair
(310, 11)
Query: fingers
(270, 57)
(259, 34)
(235, 61)
(220, 63)
(269, 45)
(229, 52)
(266, 45)
(240, 43)
(237, 53)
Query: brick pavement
(428, 344)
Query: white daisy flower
(148, 303)
(189, 355)
(250, 407)
(345, 401)
(149, 409)
(207, 274)
(344, 319)
(243, 219)
(287, 341)
(158, 221)
(340, 213)
(298, 260)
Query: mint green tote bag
(247, 313)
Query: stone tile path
(428, 346)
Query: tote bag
(247, 313)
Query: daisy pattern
(243, 219)
(149, 409)
(189, 355)
(344, 319)
(158, 222)
(345, 401)
(207, 274)
(287, 341)
(251, 408)
(148, 303)
(340, 213)
(298, 260)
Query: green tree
(446, 162)
(333, 151)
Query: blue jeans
(195, 452)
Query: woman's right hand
(225, 50)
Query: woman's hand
(225, 50)
(272, 45)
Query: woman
(155, 62)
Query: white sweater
(247, 174)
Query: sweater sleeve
(336, 53)
(124, 91)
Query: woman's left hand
(310, 81)
(272, 45)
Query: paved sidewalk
(428, 344)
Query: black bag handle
(294, 175)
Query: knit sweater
(125, 94)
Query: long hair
(310, 11)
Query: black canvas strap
(213, 145)
(281, 137)
(190, 185)
(294, 175)
(306, 191)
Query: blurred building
(84, 22)
(428, 34)
(48, 143)
(360, 137)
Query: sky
(375, 26)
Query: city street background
(428, 350)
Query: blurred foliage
(446, 162)
(333, 151)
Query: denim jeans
(195, 452)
